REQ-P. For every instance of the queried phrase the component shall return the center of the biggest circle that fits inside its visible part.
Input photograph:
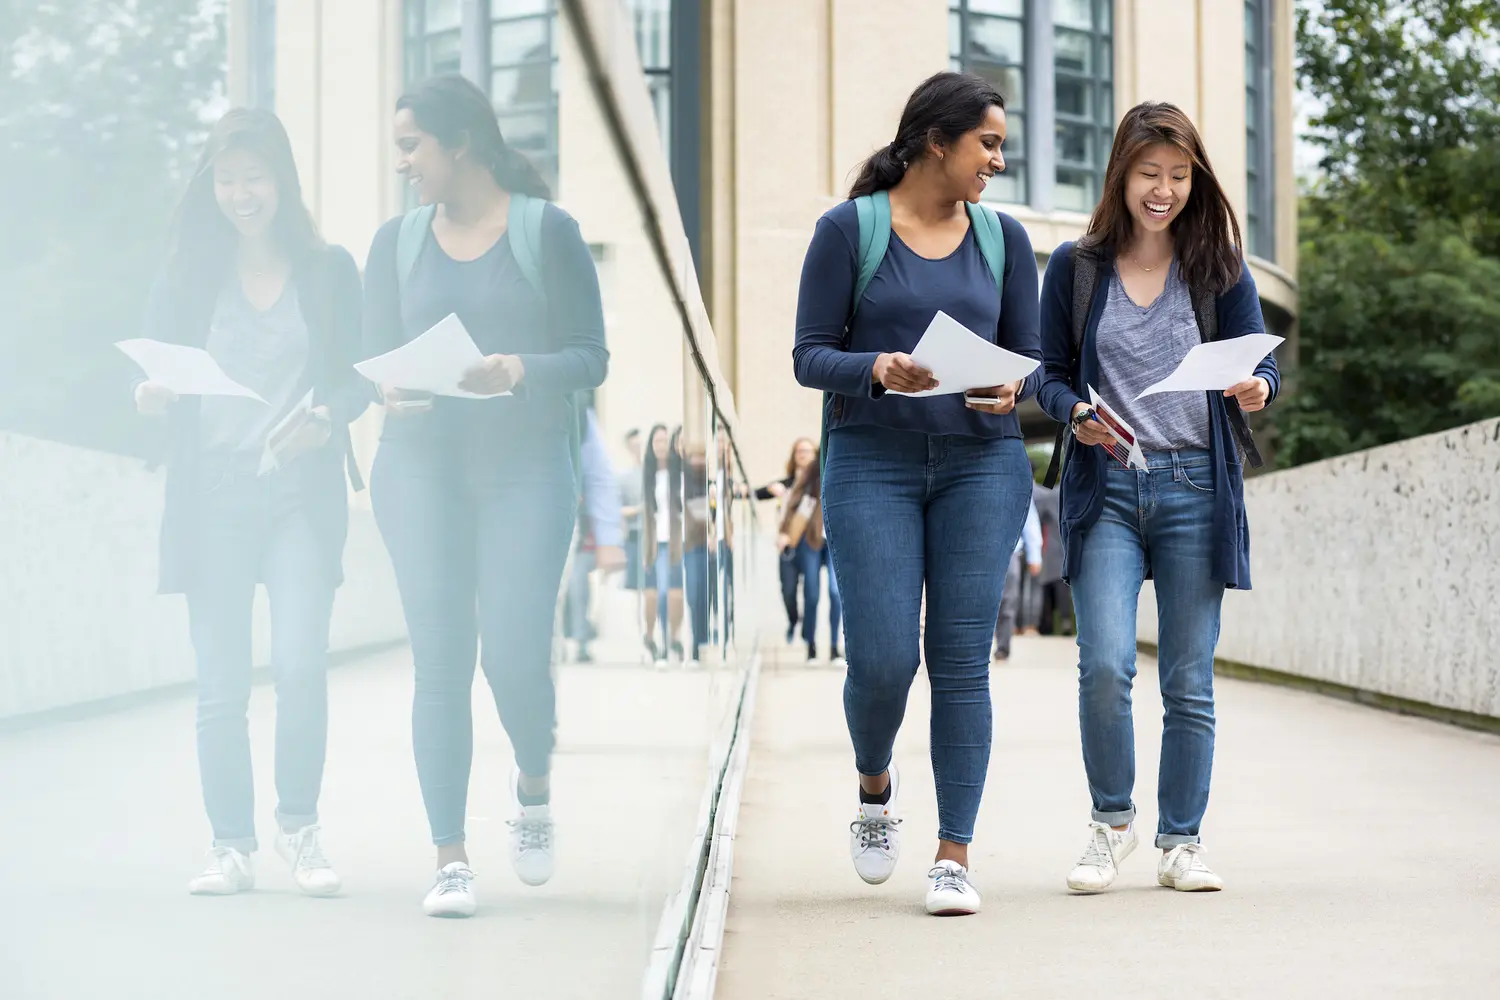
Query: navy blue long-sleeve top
(900, 301)
(558, 336)
(1065, 383)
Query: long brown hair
(1206, 234)
(791, 459)
(203, 240)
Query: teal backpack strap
(991, 239)
(415, 225)
(874, 211)
(524, 224)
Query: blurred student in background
(661, 543)
(256, 491)
(804, 451)
(801, 533)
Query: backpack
(874, 212)
(524, 227)
(1205, 311)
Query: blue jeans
(810, 563)
(791, 582)
(902, 509)
(479, 549)
(1162, 519)
(253, 529)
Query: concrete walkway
(1359, 850)
(101, 826)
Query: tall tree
(102, 105)
(1400, 236)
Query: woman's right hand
(153, 398)
(1090, 431)
(776, 490)
(899, 373)
(404, 402)
(783, 542)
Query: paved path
(1360, 850)
(101, 826)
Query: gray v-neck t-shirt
(264, 350)
(1139, 346)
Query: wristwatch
(1081, 418)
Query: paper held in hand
(187, 371)
(286, 429)
(1127, 450)
(434, 362)
(1217, 365)
(961, 359)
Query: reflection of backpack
(524, 228)
(1205, 311)
(875, 237)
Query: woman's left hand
(311, 434)
(1252, 394)
(495, 374)
(1004, 396)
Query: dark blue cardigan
(1063, 387)
(179, 310)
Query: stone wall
(1378, 571)
(80, 620)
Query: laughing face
(974, 160)
(1158, 187)
(245, 191)
(421, 160)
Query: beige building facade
(767, 107)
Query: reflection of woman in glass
(804, 450)
(477, 498)
(699, 562)
(801, 534)
(661, 542)
(255, 492)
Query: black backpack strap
(1206, 311)
(1085, 281)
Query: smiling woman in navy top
(920, 491)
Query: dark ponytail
(457, 113)
(940, 110)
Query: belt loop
(1176, 466)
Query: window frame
(1260, 136)
(1098, 85)
(961, 61)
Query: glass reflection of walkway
(103, 824)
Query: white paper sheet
(270, 457)
(187, 371)
(1128, 451)
(961, 360)
(434, 362)
(1218, 364)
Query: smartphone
(413, 404)
(980, 400)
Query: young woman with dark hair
(477, 498)
(1164, 251)
(250, 280)
(920, 492)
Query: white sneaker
(1107, 848)
(951, 893)
(310, 869)
(875, 836)
(452, 893)
(228, 872)
(1182, 868)
(531, 837)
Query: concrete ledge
(1331, 689)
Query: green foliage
(1400, 239)
(102, 105)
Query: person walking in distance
(661, 542)
(920, 492)
(804, 452)
(477, 498)
(1027, 560)
(250, 280)
(1160, 269)
(801, 533)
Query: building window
(1083, 68)
(434, 38)
(1260, 186)
(653, 39)
(988, 37)
(523, 78)
(261, 92)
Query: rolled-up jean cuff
(879, 772)
(1167, 841)
(245, 845)
(955, 838)
(291, 822)
(1124, 818)
(455, 838)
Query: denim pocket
(1198, 477)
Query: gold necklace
(1143, 267)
